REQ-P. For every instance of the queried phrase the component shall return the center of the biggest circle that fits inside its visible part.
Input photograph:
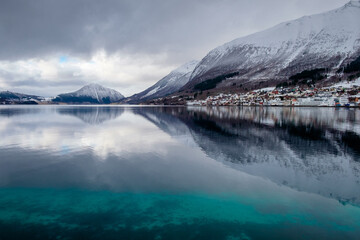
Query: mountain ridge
(169, 84)
(15, 97)
(327, 40)
(91, 93)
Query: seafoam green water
(177, 173)
(62, 214)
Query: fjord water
(112, 172)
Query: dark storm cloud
(35, 28)
(183, 29)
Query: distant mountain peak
(91, 93)
(18, 97)
(93, 85)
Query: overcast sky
(49, 47)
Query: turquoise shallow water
(179, 173)
(63, 214)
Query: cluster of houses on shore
(345, 94)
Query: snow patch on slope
(327, 38)
(347, 84)
(96, 92)
(169, 84)
(153, 91)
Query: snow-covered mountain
(327, 40)
(13, 97)
(92, 93)
(167, 85)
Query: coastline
(180, 105)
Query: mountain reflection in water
(92, 114)
(308, 149)
(144, 172)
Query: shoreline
(182, 105)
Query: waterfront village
(344, 94)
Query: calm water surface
(109, 172)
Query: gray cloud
(43, 27)
(182, 30)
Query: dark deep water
(109, 172)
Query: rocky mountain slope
(167, 85)
(328, 40)
(19, 98)
(92, 93)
